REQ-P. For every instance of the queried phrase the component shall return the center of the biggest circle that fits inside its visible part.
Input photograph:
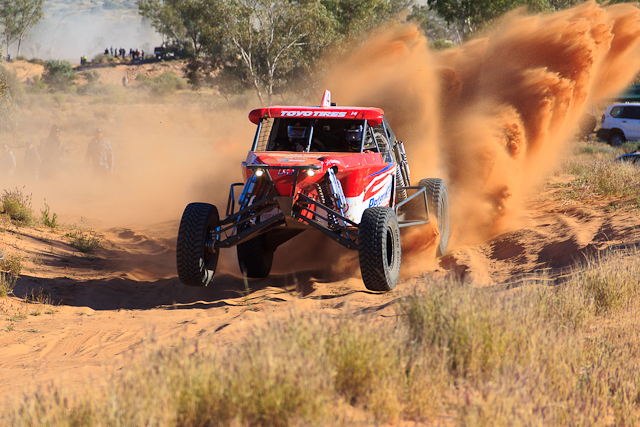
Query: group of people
(134, 54)
(43, 162)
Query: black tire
(380, 252)
(254, 257)
(197, 265)
(438, 202)
(617, 139)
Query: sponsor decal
(286, 171)
(316, 113)
(270, 214)
(332, 162)
(382, 199)
(375, 187)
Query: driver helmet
(353, 135)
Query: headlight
(259, 172)
(311, 172)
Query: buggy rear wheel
(196, 261)
(380, 252)
(438, 202)
(255, 258)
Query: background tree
(262, 44)
(18, 17)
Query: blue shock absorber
(336, 191)
(247, 191)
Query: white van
(620, 123)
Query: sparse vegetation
(17, 206)
(165, 84)
(11, 263)
(83, 240)
(48, 219)
(549, 355)
(7, 283)
(596, 174)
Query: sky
(73, 29)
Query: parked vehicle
(629, 158)
(620, 123)
(339, 170)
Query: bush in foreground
(17, 205)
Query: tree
(469, 15)
(18, 17)
(271, 38)
(180, 21)
(262, 44)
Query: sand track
(111, 304)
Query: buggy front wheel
(195, 256)
(379, 249)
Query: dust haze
(492, 117)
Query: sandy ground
(110, 73)
(109, 304)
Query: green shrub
(13, 84)
(11, 264)
(17, 206)
(101, 58)
(47, 219)
(164, 84)
(37, 85)
(93, 86)
(7, 283)
(7, 108)
(59, 75)
(83, 240)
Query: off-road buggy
(339, 170)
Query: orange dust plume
(493, 116)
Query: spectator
(51, 152)
(99, 154)
(7, 162)
(31, 162)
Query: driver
(353, 135)
(297, 137)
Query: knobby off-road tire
(196, 265)
(380, 252)
(254, 258)
(617, 139)
(438, 202)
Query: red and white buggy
(339, 170)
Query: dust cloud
(494, 116)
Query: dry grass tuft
(17, 206)
(565, 354)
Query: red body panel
(372, 115)
(365, 178)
